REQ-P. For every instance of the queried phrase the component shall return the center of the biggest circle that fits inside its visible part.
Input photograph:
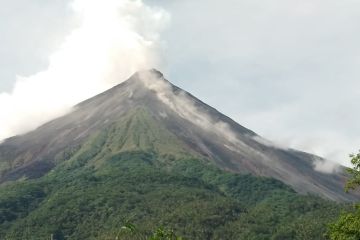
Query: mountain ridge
(201, 129)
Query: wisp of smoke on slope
(114, 39)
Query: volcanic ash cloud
(114, 38)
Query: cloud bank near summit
(113, 39)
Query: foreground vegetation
(347, 227)
(79, 200)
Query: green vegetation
(354, 181)
(129, 231)
(190, 196)
(347, 226)
(136, 172)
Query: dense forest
(81, 199)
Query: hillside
(93, 192)
(150, 153)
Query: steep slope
(170, 122)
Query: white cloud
(326, 166)
(308, 127)
(185, 107)
(269, 143)
(114, 39)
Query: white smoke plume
(268, 143)
(182, 104)
(114, 39)
(326, 166)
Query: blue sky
(287, 69)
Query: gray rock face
(200, 128)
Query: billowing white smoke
(187, 109)
(325, 165)
(114, 39)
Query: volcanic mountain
(148, 113)
(146, 154)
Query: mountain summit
(148, 113)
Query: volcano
(150, 114)
(146, 154)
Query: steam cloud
(186, 108)
(324, 165)
(114, 39)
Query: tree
(130, 231)
(164, 234)
(354, 181)
(347, 227)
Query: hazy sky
(287, 69)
